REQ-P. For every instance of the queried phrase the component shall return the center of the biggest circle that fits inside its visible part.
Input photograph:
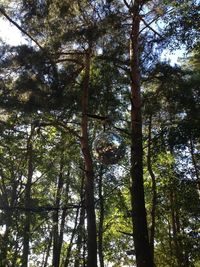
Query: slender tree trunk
(140, 231)
(171, 260)
(154, 191)
(80, 229)
(69, 249)
(196, 169)
(89, 174)
(176, 231)
(79, 241)
(48, 250)
(81, 232)
(56, 245)
(101, 219)
(16, 252)
(26, 237)
(63, 217)
(5, 242)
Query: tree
(93, 66)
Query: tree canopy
(87, 68)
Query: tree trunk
(101, 219)
(63, 216)
(8, 219)
(178, 247)
(27, 223)
(196, 168)
(48, 250)
(140, 231)
(80, 230)
(89, 174)
(5, 241)
(154, 191)
(69, 249)
(56, 241)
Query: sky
(10, 34)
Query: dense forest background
(90, 66)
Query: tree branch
(148, 26)
(127, 5)
(19, 27)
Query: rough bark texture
(140, 232)
(89, 173)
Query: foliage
(41, 84)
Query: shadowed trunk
(101, 220)
(195, 165)
(69, 249)
(154, 192)
(57, 243)
(178, 246)
(79, 256)
(140, 232)
(26, 235)
(89, 173)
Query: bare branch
(148, 26)
(19, 27)
(127, 5)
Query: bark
(69, 249)
(48, 250)
(140, 232)
(89, 173)
(154, 190)
(80, 230)
(56, 242)
(178, 247)
(8, 224)
(101, 220)
(26, 235)
(5, 242)
(196, 169)
(79, 242)
(63, 217)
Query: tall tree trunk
(80, 229)
(48, 248)
(178, 246)
(154, 191)
(26, 237)
(196, 169)
(89, 173)
(8, 218)
(56, 245)
(69, 249)
(63, 216)
(140, 231)
(101, 219)
(5, 241)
